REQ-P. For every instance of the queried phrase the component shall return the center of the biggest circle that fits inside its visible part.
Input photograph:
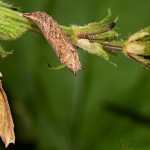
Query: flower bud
(138, 47)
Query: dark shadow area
(124, 111)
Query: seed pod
(61, 44)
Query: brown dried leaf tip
(6, 121)
(59, 41)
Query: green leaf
(4, 53)
(10, 27)
(12, 23)
(51, 67)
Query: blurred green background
(102, 108)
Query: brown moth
(6, 121)
(59, 41)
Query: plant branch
(98, 37)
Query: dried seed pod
(6, 121)
(61, 44)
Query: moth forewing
(59, 41)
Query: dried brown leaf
(6, 121)
(59, 41)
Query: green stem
(113, 46)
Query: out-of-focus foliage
(102, 108)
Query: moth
(59, 41)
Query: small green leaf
(4, 53)
(51, 67)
